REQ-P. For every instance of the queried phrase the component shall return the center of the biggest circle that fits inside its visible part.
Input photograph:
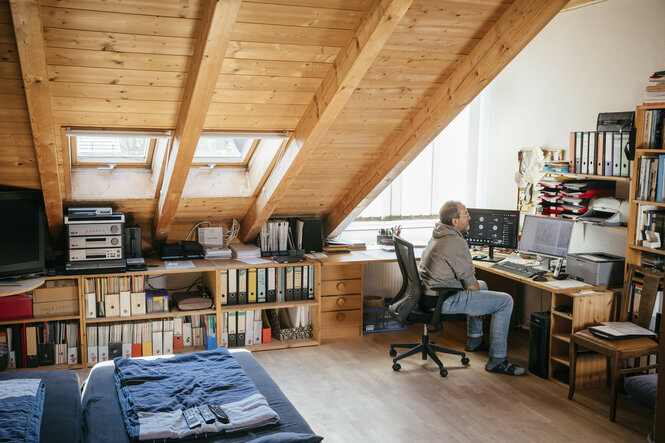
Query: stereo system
(94, 240)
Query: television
(546, 236)
(22, 233)
(493, 228)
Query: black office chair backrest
(411, 292)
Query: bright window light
(224, 149)
(121, 148)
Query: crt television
(493, 228)
(546, 236)
(21, 233)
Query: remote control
(208, 416)
(219, 412)
(192, 418)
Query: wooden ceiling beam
(350, 66)
(32, 56)
(509, 35)
(216, 25)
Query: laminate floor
(347, 391)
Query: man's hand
(474, 287)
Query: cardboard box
(54, 308)
(65, 290)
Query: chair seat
(420, 315)
(625, 347)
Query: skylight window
(114, 148)
(225, 148)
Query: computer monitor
(546, 236)
(493, 228)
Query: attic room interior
(222, 220)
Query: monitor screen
(546, 236)
(493, 227)
(21, 233)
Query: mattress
(61, 419)
(102, 416)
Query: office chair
(411, 305)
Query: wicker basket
(373, 302)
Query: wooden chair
(617, 351)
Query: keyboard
(288, 258)
(519, 269)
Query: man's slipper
(507, 368)
(483, 346)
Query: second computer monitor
(494, 228)
(546, 236)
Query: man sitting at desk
(446, 262)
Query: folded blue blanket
(21, 407)
(153, 394)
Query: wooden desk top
(383, 256)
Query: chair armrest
(442, 294)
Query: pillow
(642, 389)
(288, 437)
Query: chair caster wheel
(465, 361)
(393, 353)
(443, 372)
(396, 367)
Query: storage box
(54, 308)
(65, 290)
(15, 307)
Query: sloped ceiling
(364, 85)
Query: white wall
(589, 60)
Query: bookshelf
(210, 272)
(636, 252)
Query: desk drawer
(340, 302)
(342, 272)
(338, 287)
(341, 318)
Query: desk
(342, 281)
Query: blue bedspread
(21, 407)
(153, 394)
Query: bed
(103, 421)
(61, 417)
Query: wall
(588, 60)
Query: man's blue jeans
(483, 302)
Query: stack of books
(217, 252)
(332, 245)
(654, 94)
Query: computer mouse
(539, 278)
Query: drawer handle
(341, 285)
(341, 316)
(341, 301)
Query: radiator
(382, 279)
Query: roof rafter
(32, 55)
(350, 66)
(509, 35)
(216, 26)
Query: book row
(157, 337)
(30, 345)
(600, 153)
(266, 285)
(650, 184)
(650, 226)
(654, 119)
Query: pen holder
(385, 240)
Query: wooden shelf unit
(588, 176)
(210, 272)
(634, 251)
(587, 308)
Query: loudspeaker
(131, 242)
(539, 344)
(312, 234)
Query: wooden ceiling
(363, 85)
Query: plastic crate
(378, 320)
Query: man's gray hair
(449, 211)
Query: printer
(596, 268)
